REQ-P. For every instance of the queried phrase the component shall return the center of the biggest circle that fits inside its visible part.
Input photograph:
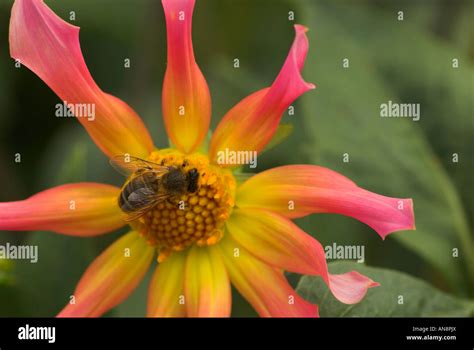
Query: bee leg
(185, 163)
(162, 162)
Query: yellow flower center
(192, 218)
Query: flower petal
(81, 209)
(250, 124)
(350, 287)
(186, 97)
(264, 286)
(111, 277)
(207, 285)
(279, 242)
(298, 190)
(166, 292)
(276, 240)
(49, 46)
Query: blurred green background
(407, 61)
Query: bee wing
(127, 165)
(149, 201)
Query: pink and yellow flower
(229, 232)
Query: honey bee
(149, 184)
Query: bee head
(193, 177)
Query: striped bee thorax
(175, 181)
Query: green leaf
(399, 295)
(6, 267)
(444, 93)
(9, 301)
(390, 156)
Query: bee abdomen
(133, 195)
